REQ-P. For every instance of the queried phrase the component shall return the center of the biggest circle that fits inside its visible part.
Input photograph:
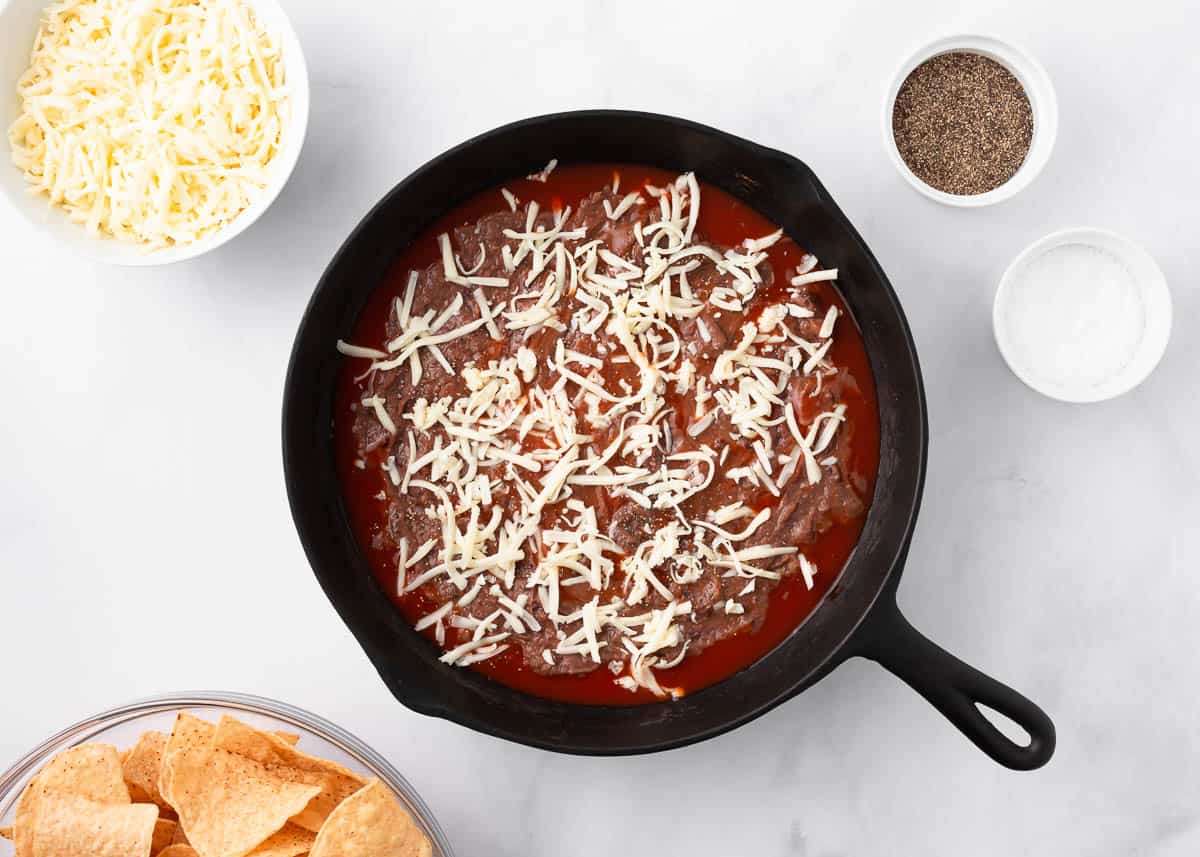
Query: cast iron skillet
(858, 617)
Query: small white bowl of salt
(1082, 315)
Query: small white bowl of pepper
(970, 120)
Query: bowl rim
(13, 780)
(1152, 287)
(1038, 87)
(273, 15)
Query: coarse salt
(1074, 316)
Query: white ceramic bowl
(122, 726)
(1042, 101)
(18, 27)
(1152, 294)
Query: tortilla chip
(85, 771)
(164, 835)
(7, 833)
(336, 783)
(228, 804)
(136, 795)
(140, 768)
(180, 838)
(91, 771)
(289, 842)
(371, 823)
(178, 851)
(188, 732)
(68, 826)
(25, 817)
(289, 737)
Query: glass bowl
(122, 726)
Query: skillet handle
(955, 688)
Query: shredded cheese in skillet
(151, 121)
(529, 425)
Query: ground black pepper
(962, 123)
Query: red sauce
(723, 220)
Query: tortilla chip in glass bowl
(209, 775)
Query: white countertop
(145, 541)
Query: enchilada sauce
(723, 221)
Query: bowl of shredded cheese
(143, 133)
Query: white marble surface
(145, 543)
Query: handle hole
(1009, 728)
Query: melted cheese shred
(154, 122)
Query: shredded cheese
(507, 467)
(154, 122)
